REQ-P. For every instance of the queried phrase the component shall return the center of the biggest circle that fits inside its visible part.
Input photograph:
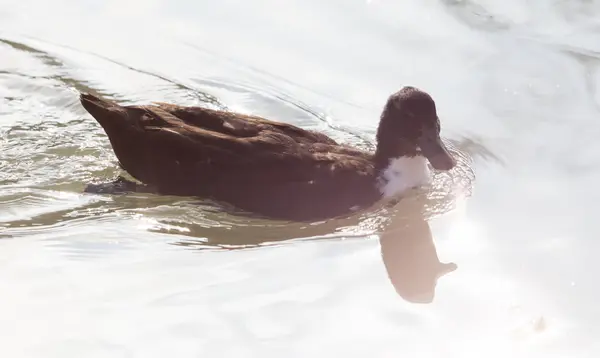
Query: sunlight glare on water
(516, 88)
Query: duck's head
(410, 127)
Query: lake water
(517, 88)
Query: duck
(272, 168)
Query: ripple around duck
(24, 207)
(51, 149)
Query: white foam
(404, 173)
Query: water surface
(516, 87)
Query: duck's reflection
(407, 246)
(411, 260)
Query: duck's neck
(388, 151)
(401, 174)
(398, 162)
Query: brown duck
(271, 168)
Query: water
(516, 86)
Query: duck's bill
(446, 268)
(436, 152)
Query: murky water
(516, 86)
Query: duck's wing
(214, 159)
(197, 151)
(240, 125)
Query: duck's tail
(120, 127)
(119, 122)
(95, 105)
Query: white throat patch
(404, 173)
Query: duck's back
(240, 125)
